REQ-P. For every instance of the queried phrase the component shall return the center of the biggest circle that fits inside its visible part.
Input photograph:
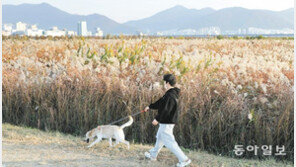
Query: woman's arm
(156, 105)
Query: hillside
(32, 147)
(231, 18)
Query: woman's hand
(146, 109)
(154, 122)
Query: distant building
(71, 33)
(189, 31)
(20, 33)
(34, 27)
(20, 29)
(99, 32)
(34, 31)
(89, 33)
(141, 34)
(7, 29)
(6, 33)
(82, 28)
(254, 30)
(159, 34)
(209, 31)
(55, 32)
(21, 26)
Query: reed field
(233, 91)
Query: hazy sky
(125, 10)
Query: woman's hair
(170, 78)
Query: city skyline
(22, 28)
(127, 10)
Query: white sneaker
(185, 163)
(148, 155)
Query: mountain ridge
(231, 18)
(177, 17)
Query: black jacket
(167, 107)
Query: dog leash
(127, 117)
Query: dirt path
(31, 147)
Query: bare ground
(32, 147)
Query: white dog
(109, 132)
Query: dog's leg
(120, 138)
(93, 143)
(117, 142)
(110, 142)
(125, 142)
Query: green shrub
(220, 37)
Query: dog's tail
(129, 123)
